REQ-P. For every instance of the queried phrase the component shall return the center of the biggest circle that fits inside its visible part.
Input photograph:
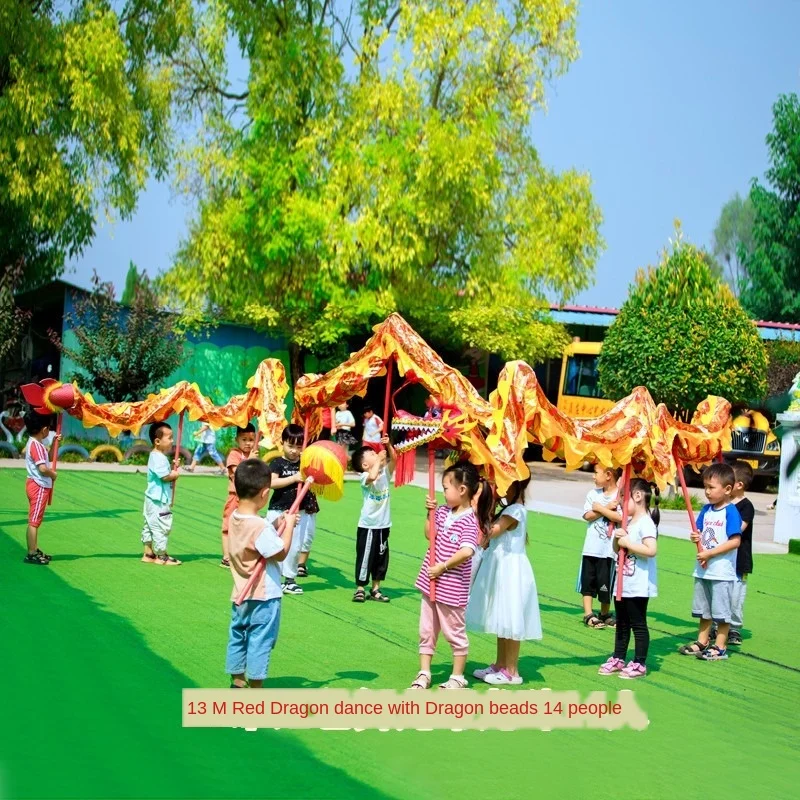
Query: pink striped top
(452, 533)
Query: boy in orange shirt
(245, 442)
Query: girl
(345, 422)
(457, 530)
(504, 600)
(639, 581)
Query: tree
(772, 290)
(133, 280)
(406, 182)
(12, 318)
(784, 364)
(122, 353)
(85, 114)
(683, 335)
(733, 235)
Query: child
(743, 474)
(597, 563)
(39, 483)
(374, 524)
(638, 582)
(719, 529)
(245, 442)
(285, 479)
(345, 422)
(157, 498)
(125, 440)
(328, 425)
(504, 600)
(457, 531)
(373, 427)
(208, 444)
(254, 623)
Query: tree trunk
(296, 362)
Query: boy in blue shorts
(719, 528)
(254, 623)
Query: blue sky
(667, 109)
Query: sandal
(454, 682)
(36, 558)
(44, 555)
(593, 621)
(422, 681)
(609, 620)
(302, 571)
(358, 597)
(225, 563)
(693, 649)
(149, 558)
(376, 595)
(713, 653)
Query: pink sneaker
(633, 670)
(481, 674)
(611, 666)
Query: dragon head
(442, 427)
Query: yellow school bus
(579, 395)
(579, 392)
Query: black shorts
(597, 577)
(372, 554)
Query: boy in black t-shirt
(744, 555)
(285, 479)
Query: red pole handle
(388, 397)
(262, 562)
(687, 499)
(55, 456)
(622, 553)
(432, 518)
(176, 459)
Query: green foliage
(683, 335)
(733, 235)
(677, 503)
(408, 183)
(12, 318)
(773, 267)
(784, 364)
(85, 97)
(133, 280)
(122, 353)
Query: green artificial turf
(97, 647)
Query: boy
(285, 479)
(719, 529)
(597, 556)
(208, 444)
(39, 483)
(245, 442)
(157, 498)
(374, 524)
(373, 427)
(254, 623)
(743, 474)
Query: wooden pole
(626, 494)
(176, 460)
(687, 499)
(55, 455)
(432, 517)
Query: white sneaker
(292, 588)
(481, 674)
(502, 678)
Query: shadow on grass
(293, 682)
(96, 675)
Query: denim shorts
(712, 600)
(253, 634)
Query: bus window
(581, 378)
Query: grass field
(97, 647)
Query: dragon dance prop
(322, 467)
(265, 399)
(50, 397)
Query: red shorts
(38, 497)
(231, 504)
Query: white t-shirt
(344, 419)
(36, 454)
(375, 510)
(716, 527)
(639, 572)
(598, 543)
(208, 436)
(372, 431)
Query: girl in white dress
(504, 600)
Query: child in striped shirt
(458, 529)
(39, 483)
